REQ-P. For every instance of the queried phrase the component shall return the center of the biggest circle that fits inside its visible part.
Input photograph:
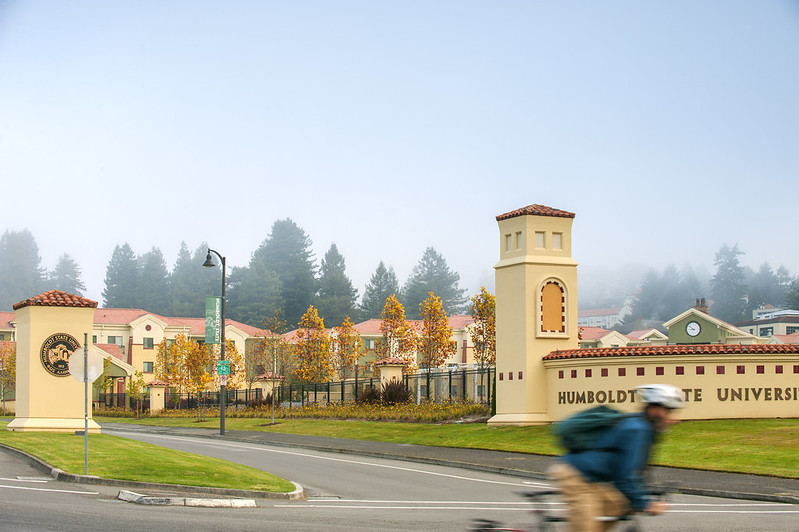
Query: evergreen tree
(792, 295)
(645, 301)
(337, 297)
(764, 289)
(21, 275)
(727, 287)
(66, 276)
(190, 283)
(287, 252)
(382, 284)
(154, 283)
(784, 280)
(122, 279)
(254, 293)
(431, 274)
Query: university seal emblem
(55, 353)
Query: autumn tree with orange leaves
(483, 331)
(312, 349)
(8, 369)
(435, 340)
(347, 348)
(399, 339)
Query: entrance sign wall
(49, 327)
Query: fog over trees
(284, 279)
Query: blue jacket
(619, 457)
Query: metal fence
(438, 385)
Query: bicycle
(549, 513)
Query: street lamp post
(209, 263)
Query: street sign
(213, 320)
(223, 367)
(94, 368)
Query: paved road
(348, 490)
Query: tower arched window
(553, 307)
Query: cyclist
(608, 479)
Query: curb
(136, 498)
(236, 496)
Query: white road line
(343, 460)
(49, 489)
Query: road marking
(49, 489)
(25, 479)
(263, 448)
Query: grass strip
(755, 446)
(113, 457)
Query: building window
(679, 370)
(557, 240)
(148, 367)
(501, 376)
(719, 370)
(639, 372)
(741, 370)
(560, 374)
(369, 343)
(790, 329)
(700, 370)
(518, 240)
(761, 370)
(622, 372)
(767, 331)
(507, 242)
(778, 370)
(117, 340)
(588, 372)
(147, 343)
(604, 372)
(796, 369)
(520, 375)
(510, 375)
(539, 239)
(659, 370)
(94, 338)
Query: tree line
(733, 292)
(281, 277)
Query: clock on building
(693, 328)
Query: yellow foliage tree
(435, 340)
(135, 391)
(312, 350)
(347, 348)
(8, 369)
(399, 339)
(483, 331)
(238, 370)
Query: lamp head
(209, 261)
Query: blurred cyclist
(607, 480)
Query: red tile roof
(460, 321)
(113, 350)
(118, 316)
(55, 298)
(5, 320)
(665, 350)
(394, 361)
(536, 210)
(593, 333)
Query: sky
(669, 128)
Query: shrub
(395, 393)
(369, 396)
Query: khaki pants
(587, 501)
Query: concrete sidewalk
(689, 481)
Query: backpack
(579, 431)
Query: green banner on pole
(213, 320)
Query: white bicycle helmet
(661, 394)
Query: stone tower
(536, 308)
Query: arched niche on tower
(553, 308)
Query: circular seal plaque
(56, 351)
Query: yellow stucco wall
(714, 386)
(44, 401)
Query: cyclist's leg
(584, 500)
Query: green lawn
(123, 459)
(757, 446)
